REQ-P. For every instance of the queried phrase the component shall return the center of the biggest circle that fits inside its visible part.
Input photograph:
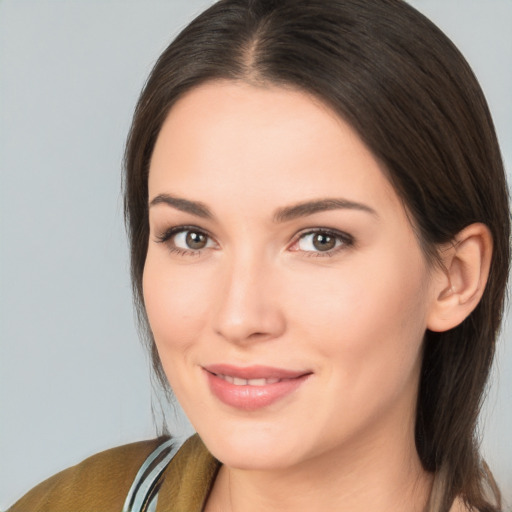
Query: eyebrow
(194, 207)
(284, 214)
(319, 205)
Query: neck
(380, 475)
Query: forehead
(234, 138)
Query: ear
(460, 282)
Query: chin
(255, 460)
(253, 450)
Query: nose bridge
(247, 309)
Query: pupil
(323, 242)
(196, 240)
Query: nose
(248, 308)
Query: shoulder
(100, 482)
(189, 477)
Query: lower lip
(251, 398)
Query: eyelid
(174, 230)
(166, 236)
(346, 239)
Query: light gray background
(73, 377)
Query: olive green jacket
(101, 482)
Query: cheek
(367, 317)
(176, 306)
(359, 296)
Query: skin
(260, 292)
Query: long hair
(408, 92)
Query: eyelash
(166, 236)
(339, 236)
(345, 239)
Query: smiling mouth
(252, 388)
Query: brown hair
(411, 96)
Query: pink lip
(252, 397)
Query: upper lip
(255, 372)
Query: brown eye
(195, 240)
(323, 241)
(182, 239)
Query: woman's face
(284, 285)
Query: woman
(319, 228)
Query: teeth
(247, 382)
(257, 382)
(271, 381)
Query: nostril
(258, 335)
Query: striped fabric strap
(141, 496)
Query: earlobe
(461, 281)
